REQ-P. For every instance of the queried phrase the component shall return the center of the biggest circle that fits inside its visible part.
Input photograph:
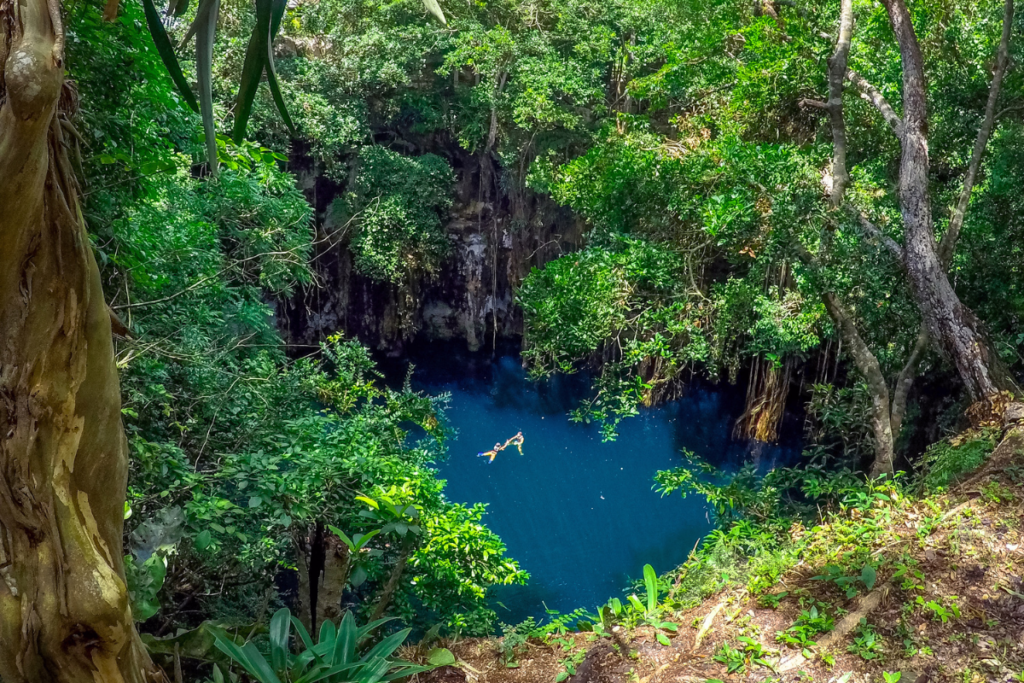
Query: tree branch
(915, 103)
(869, 368)
(873, 231)
(836, 78)
(877, 99)
(948, 244)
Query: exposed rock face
(495, 241)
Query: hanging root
(766, 401)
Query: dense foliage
(238, 442)
(685, 138)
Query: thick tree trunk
(952, 324)
(64, 609)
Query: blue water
(579, 515)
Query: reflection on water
(578, 514)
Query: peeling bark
(64, 608)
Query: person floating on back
(516, 440)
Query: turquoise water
(578, 514)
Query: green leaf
(561, 676)
(254, 501)
(358, 576)
(280, 630)
(440, 656)
(651, 581)
(405, 672)
(275, 91)
(663, 639)
(177, 7)
(276, 15)
(386, 647)
(204, 539)
(345, 644)
(205, 33)
(369, 501)
(166, 52)
(868, 575)
(328, 632)
(306, 640)
(362, 539)
(259, 666)
(252, 68)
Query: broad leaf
(868, 575)
(651, 581)
(386, 647)
(280, 632)
(345, 645)
(440, 656)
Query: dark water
(578, 514)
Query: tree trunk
(333, 579)
(867, 364)
(952, 324)
(302, 541)
(392, 585)
(64, 608)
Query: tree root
(869, 604)
(707, 623)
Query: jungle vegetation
(766, 187)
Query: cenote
(579, 514)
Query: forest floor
(946, 603)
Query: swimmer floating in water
(516, 440)
(492, 453)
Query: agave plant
(334, 658)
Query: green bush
(397, 206)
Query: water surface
(580, 515)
